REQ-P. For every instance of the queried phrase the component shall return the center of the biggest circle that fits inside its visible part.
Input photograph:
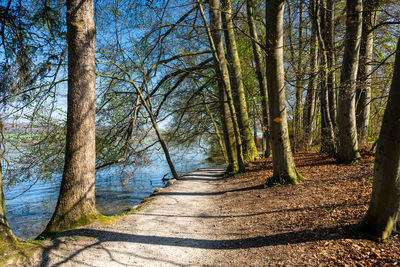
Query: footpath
(174, 229)
(205, 219)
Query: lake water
(29, 213)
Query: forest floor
(313, 223)
(208, 220)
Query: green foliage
(36, 152)
(357, 162)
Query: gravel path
(173, 230)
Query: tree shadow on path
(286, 238)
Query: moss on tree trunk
(76, 202)
(384, 211)
(249, 147)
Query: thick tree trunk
(363, 94)
(217, 47)
(384, 210)
(283, 163)
(260, 71)
(348, 144)
(249, 147)
(76, 202)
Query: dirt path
(173, 230)
(206, 220)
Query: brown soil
(313, 223)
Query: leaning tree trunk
(216, 128)
(227, 126)
(260, 71)
(283, 163)
(215, 39)
(348, 144)
(227, 123)
(249, 147)
(384, 210)
(363, 93)
(76, 202)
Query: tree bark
(283, 163)
(76, 202)
(260, 71)
(310, 101)
(249, 147)
(348, 144)
(215, 39)
(157, 130)
(363, 93)
(298, 118)
(384, 210)
(216, 128)
(6, 235)
(4, 226)
(331, 59)
(229, 132)
(327, 131)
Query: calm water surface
(116, 191)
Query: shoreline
(37, 204)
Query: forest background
(235, 77)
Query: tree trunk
(254, 124)
(158, 132)
(363, 93)
(4, 226)
(384, 210)
(348, 145)
(327, 133)
(330, 49)
(310, 101)
(76, 202)
(7, 238)
(260, 71)
(229, 132)
(217, 47)
(249, 147)
(216, 128)
(283, 163)
(299, 83)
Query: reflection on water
(29, 213)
